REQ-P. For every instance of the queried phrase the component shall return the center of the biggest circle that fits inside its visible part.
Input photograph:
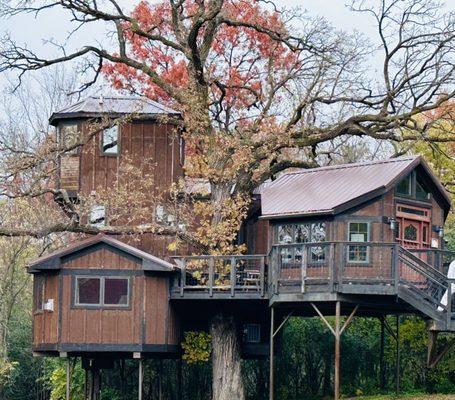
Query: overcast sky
(55, 24)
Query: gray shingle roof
(329, 190)
(95, 106)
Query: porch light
(441, 231)
(393, 223)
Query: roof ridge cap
(352, 165)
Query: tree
(261, 90)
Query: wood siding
(149, 318)
(45, 323)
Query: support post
(160, 380)
(68, 378)
(179, 380)
(141, 377)
(397, 372)
(337, 350)
(381, 356)
(271, 368)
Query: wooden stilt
(86, 385)
(397, 371)
(68, 378)
(381, 356)
(141, 377)
(179, 380)
(271, 371)
(337, 350)
(160, 380)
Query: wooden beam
(337, 350)
(349, 320)
(433, 356)
(271, 366)
(323, 318)
(282, 323)
(397, 372)
(68, 378)
(141, 378)
(381, 356)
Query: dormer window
(110, 141)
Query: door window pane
(115, 291)
(410, 232)
(110, 140)
(88, 290)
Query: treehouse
(362, 239)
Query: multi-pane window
(358, 232)
(39, 293)
(302, 233)
(102, 291)
(110, 140)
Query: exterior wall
(149, 319)
(45, 323)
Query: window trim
(367, 260)
(39, 279)
(117, 153)
(101, 304)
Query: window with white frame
(102, 291)
(358, 232)
(110, 140)
(315, 232)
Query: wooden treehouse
(362, 239)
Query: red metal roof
(329, 190)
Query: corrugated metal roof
(323, 190)
(92, 106)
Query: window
(405, 186)
(410, 233)
(358, 232)
(412, 186)
(110, 140)
(69, 135)
(182, 150)
(302, 233)
(421, 192)
(39, 293)
(252, 333)
(102, 291)
(98, 216)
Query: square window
(110, 140)
(98, 216)
(116, 291)
(88, 291)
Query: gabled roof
(334, 189)
(53, 260)
(92, 107)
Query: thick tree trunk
(226, 361)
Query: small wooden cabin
(101, 295)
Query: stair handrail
(426, 267)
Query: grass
(407, 397)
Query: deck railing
(346, 267)
(227, 275)
(439, 259)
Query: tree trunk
(226, 361)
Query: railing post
(396, 256)
(332, 266)
(183, 277)
(303, 268)
(211, 273)
(233, 276)
(449, 303)
(277, 270)
(262, 275)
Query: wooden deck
(299, 273)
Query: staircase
(426, 289)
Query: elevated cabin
(101, 296)
(137, 130)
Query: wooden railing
(231, 275)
